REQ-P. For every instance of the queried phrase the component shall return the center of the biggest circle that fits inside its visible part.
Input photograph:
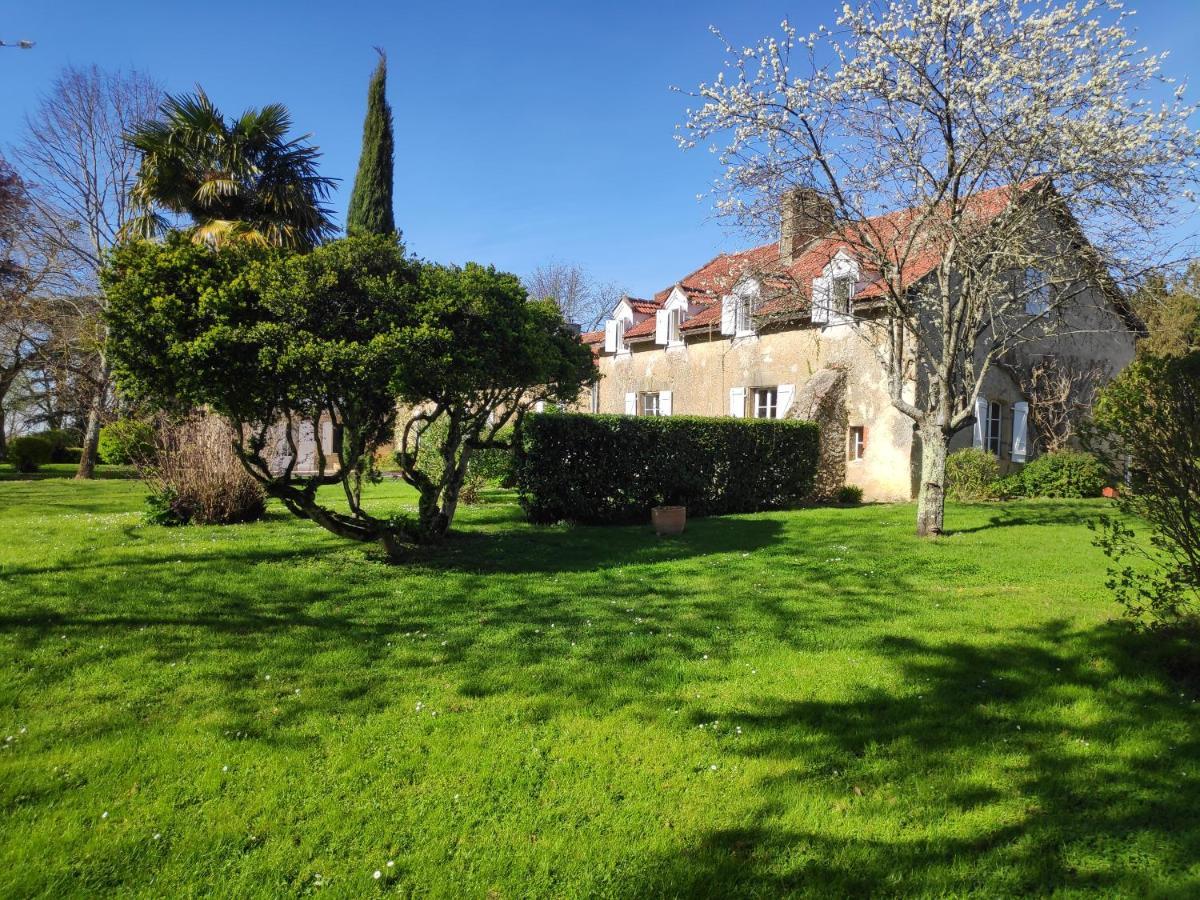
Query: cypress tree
(370, 210)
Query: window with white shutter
(631, 404)
(981, 414)
(649, 404)
(787, 395)
(737, 402)
(664, 403)
(1019, 427)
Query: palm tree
(239, 180)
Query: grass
(809, 702)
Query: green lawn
(809, 702)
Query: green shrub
(126, 441)
(1009, 486)
(608, 469)
(30, 452)
(850, 495)
(970, 474)
(1065, 473)
(61, 441)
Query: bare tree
(1060, 392)
(582, 300)
(28, 269)
(79, 170)
(1005, 131)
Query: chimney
(805, 215)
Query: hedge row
(601, 469)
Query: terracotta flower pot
(1109, 492)
(668, 519)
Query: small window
(1037, 292)
(766, 402)
(995, 413)
(842, 293)
(621, 347)
(651, 405)
(857, 444)
(674, 321)
(742, 323)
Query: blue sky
(525, 132)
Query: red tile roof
(592, 337)
(705, 286)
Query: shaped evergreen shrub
(30, 452)
(602, 469)
(1065, 473)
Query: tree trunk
(3, 433)
(931, 501)
(91, 437)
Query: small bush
(970, 474)
(195, 477)
(1065, 473)
(850, 495)
(62, 440)
(1008, 487)
(30, 452)
(607, 469)
(126, 442)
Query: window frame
(644, 403)
(1037, 299)
(856, 443)
(995, 420)
(743, 318)
(834, 307)
(772, 393)
(675, 327)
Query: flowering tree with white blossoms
(1005, 130)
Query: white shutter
(820, 300)
(631, 404)
(784, 396)
(610, 336)
(981, 417)
(737, 402)
(728, 314)
(1019, 441)
(664, 403)
(662, 326)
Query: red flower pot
(668, 519)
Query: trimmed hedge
(30, 453)
(604, 469)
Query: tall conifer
(370, 210)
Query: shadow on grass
(1045, 512)
(1101, 803)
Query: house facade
(734, 338)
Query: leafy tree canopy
(339, 335)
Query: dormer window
(674, 322)
(841, 295)
(742, 321)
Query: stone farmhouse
(724, 341)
